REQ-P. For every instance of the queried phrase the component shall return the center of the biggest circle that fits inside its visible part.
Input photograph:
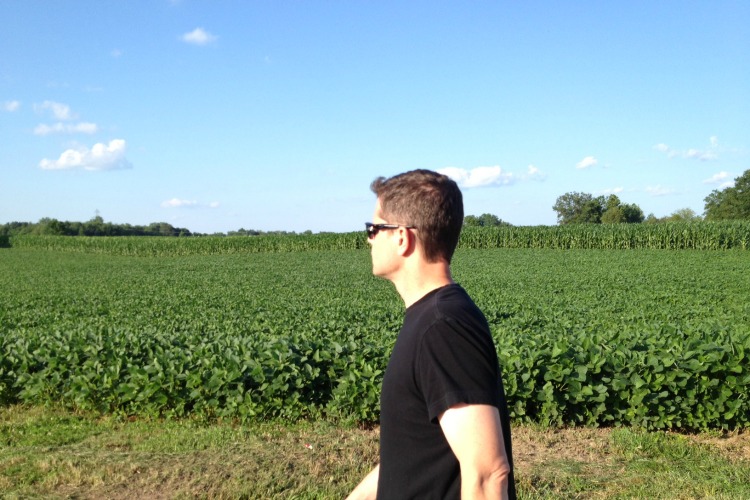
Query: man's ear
(407, 242)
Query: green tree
(582, 208)
(484, 220)
(684, 215)
(576, 208)
(166, 229)
(681, 215)
(94, 227)
(50, 227)
(633, 213)
(591, 213)
(471, 221)
(612, 202)
(730, 203)
(613, 215)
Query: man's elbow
(500, 477)
(489, 483)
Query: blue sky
(218, 115)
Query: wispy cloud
(59, 111)
(198, 36)
(479, 176)
(181, 203)
(66, 128)
(64, 114)
(697, 154)
(11, 106)
(178, 203)
(723, 179)
(100, 157)
(614, 190)
(587, 162)
(533, 173)
(659, 190)
(712, 153)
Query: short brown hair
(429, 201)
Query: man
(444, 426)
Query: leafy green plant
(656, 339)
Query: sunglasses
(373, 229)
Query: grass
(56, 453)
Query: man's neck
(417, 281)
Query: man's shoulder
(445, 309)
(453, 299)
(445, 295)
(439, 302)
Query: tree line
(98, 227)
(731, 203)
(94, 227)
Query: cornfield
(158, 246)
(668, 236)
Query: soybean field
(658, 339)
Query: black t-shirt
(444, 355)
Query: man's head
(427, 201)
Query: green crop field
(652, 338)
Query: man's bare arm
(368, 488)
(475, 435)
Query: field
(650, 339)
(658, 339)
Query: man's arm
(475, 435)
(368, 487)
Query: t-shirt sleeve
(456, 365)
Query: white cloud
(479, 176)
(198, 36)
(59, 110)
(11, 106)
(615, 190)
(723, 179)
(534, 173)
(100, 157)
(587, 162)
(178, 203)
(697, 154)
(78, 128)
(663, 148)
(692, 153)
(659, 190)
